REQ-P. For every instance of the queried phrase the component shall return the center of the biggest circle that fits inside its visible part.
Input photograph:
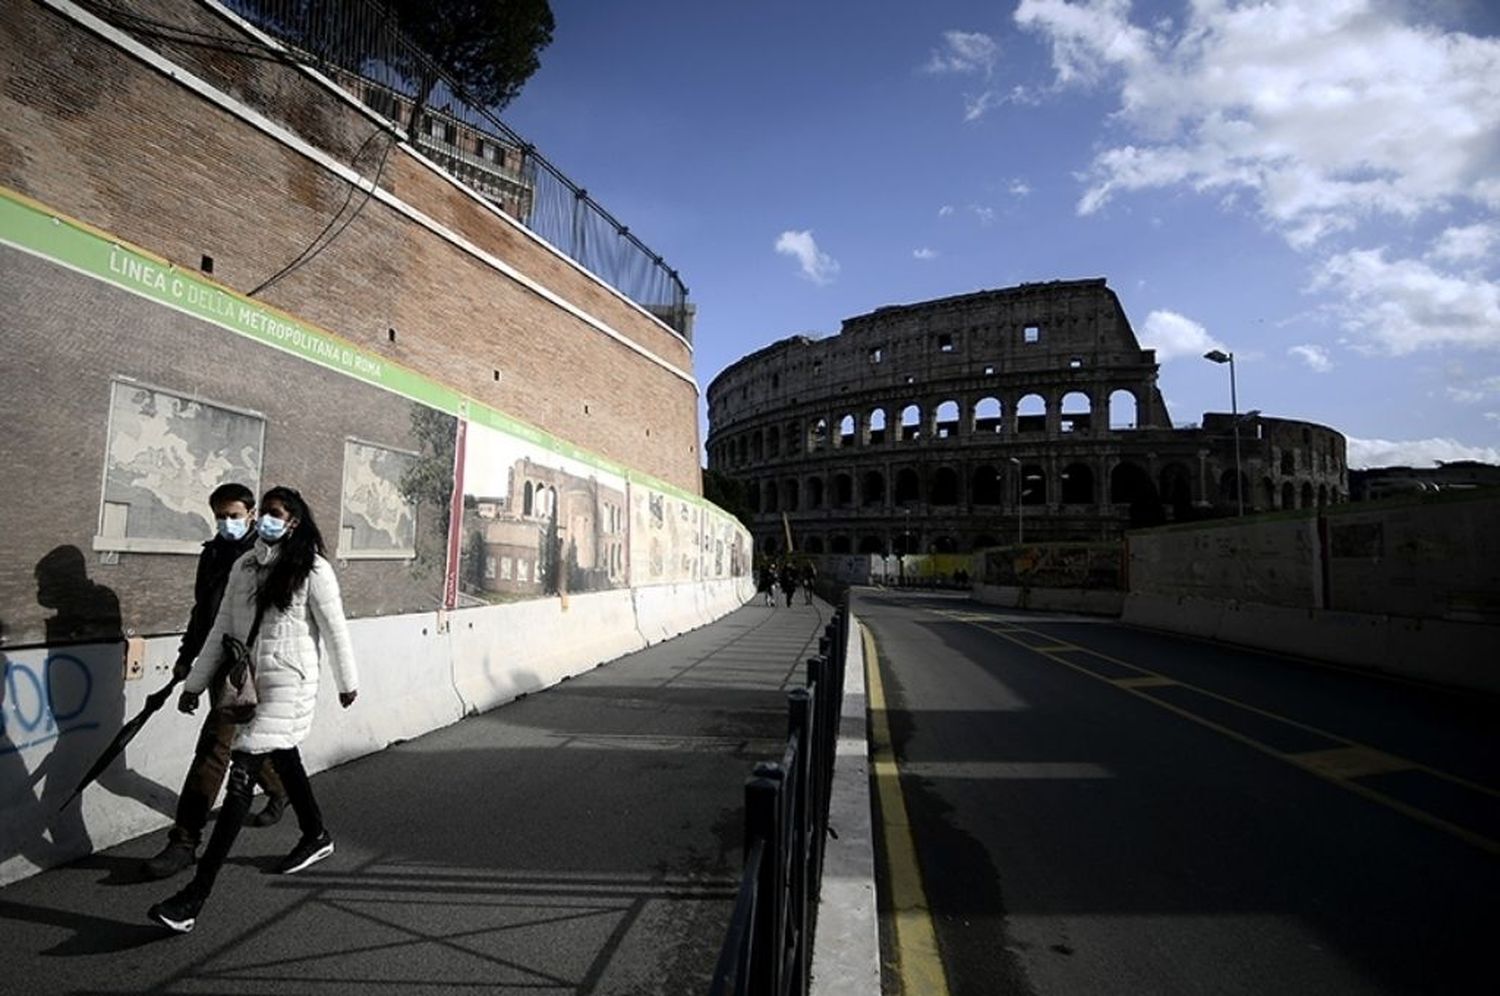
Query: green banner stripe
(31, 227)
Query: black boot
(177, 855)
(270, 813)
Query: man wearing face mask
(234, 520)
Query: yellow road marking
(1145, 681)
(1355, 757)
(920, 964)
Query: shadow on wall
(59, 707)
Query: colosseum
(1027, 413)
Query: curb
(846, 950)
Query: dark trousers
(205, 776)
(242, 773)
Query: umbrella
(127, 733)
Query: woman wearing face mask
(287, 581)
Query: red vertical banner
(455, 518)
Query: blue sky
(1313, 184)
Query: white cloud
(1472, 392)
(964, 52)
(945, 210)
(1465, 243)
(817, 265)
(977, 107)
(1173, 336)
(1019, 187)
(1324, 113)
(1316, 357)
(924, 253)
(986, 215)
(1414, 452)
(1400, 306)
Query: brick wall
(97, 134)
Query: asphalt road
(1098, 810)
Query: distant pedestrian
(285, 591)
(767, 584)
(788, 579)
(809, 576)
(233, 506)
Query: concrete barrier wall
(418, 672)
(1091, 602)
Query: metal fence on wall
(359, 45)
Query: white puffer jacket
(285, 650)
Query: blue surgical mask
(270, 528)
(233, 529)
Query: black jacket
(218, 556)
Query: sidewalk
(585, 839)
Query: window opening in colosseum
(1032, 334)
(843, 491)
(1307, 495)
(1322, 495)
(817, 366)
(754, 498)
(947, 419)
(1077, 412)
(1177, 489)
(526, 499)
(776, 380)
(871, 544)
(757, 446)
(945, 343)
(911, 423)
(987, 416)
(814, 492)
(1123, 409)
(877, 354)
(773, 441)
(812, 544)
(908, 487)
(1033, 483)
(769, 503)
(986, 486)
(1077, 484)
(1031, 414)
(1227, 493)
(791, 496)
(877, 426)
(819, 434)
(1075, 363)
(989, 371)
(1267, 494)
(944, 487)
(872, 488)
(1130, 484)
(1288, 495)
(743, 449)
(840, 544)
(1288, 462)
(846, 430)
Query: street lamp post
(1020, 505)
(1219, 356)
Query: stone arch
(814, 492)
(1177, 489)
(1077, 484)
(773, 441)
(846, 430)
(790, 495)
(1129, 484)
(911, 423)
(945, 420)
(813, 544)
(872, 488)
(817, 434)
(1076, 412)
(1031, 413)
(769, 499)
(985, 488)
(1307, 494)
(988, 416)
(758, 446)
(843, 490)
(908, 487)
(527, 499)
(840, 544)
(742, 449)
(877, 425)
(871, 544)
(1267, 494)
(1288, 463)
(1124, 409)
(1226, 486)
(1288, 495)
(944, 487)
(1322, 495)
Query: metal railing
(768, 948)
(358, 44)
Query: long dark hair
(297, 551)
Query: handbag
(235, 696)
